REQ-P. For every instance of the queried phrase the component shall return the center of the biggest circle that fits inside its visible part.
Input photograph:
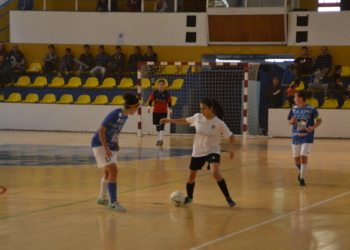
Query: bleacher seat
(286, 105)
(345, 71)
(40, 82)
(14, 97)
(126, 83)
(177, 84)
(101, 100)
(31, 98)
(49, 98)
(74, 82)
(23, 81)
(108, 83)
(184, 70)
(91, 83)
(346, 104)
(330, 104)
(83, 99)
(117, 100)
(34, 68)
(173, 100)
(312, 102)
(155, 86)
(66, 99)
(196, 69)
(169, 70)
(145, 83)
(57, 82)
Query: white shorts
(101, 158)
(301, 149)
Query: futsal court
(49, 183)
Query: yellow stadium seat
(145, 83)
(184, 70)
(49, 98)
(108, 83)
(91, 83)
(173, 100)
(100, 100)
(2, 98)
(14, 97)
(57, 82)
(117, 100)
(39, 82)
(170, 70)
(83, 99)
(345, 71)
(346, 104)
(286, 105)
(196, 69)
(74, 82)
(155, 86)
(126, 83)
(34, 67)
(177, 84)
(23, 81)
(66, 99)
(31, 98)
(312, 102)
(330, 104)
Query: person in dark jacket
(151, 56)
(102, 5)
(324, 60)
(116, 65)
(87, 58)
(25, 4)
(51, 60)
(16, 59)
(304, 64)
(134, 5)
(102, 60)
(134, 59)
(5, 74)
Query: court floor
(49, 183)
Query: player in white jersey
(206, 144)
(105, 146)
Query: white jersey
(208, 134)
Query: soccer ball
(177, 198)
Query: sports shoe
(103, 202)
(299, 177)
(230, 202)
(302, 183)
(188, 200)
(116, 207)
(160, 143)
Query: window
(328, 5)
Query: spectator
(304, 64)
(273, 99)
(160, 6)
(151, 56)
(25, 4)
(67, 62)
(51, 60)
(336, 82)
(324, 60)
(318, 82)
(87, 58)
(3, 51)
(102, 5)
(134, 5)
(293, 87)
(5, 74)
(134, 59)
(116, 65)
(16, 59)
(102, 60)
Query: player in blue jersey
(302, 117)
(105, 146)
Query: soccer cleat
(299, 177)
(302, 183)
(230, 202)
(188, 200)
(160, 143)
(103, 202)
(116, 207)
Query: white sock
(161, 134)
(104, 189)
(303, 171)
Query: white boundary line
(268, 221)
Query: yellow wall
(310, 5)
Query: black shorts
(198, 162)
(156, 120)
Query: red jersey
(161, 100)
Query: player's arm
(292, 121)
(181, 121)
(311, 128)
(102, 133)
(170, 109)
(232, 145)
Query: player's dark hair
(101, 47)
(130, 100)
(304, 94)
(337, 68)
(51, 46)
(149, 47)
(218, 109)
(86, 46)
(161, 81)
(304, 47)
(277, 77)
(137, 47)
(68, 49)
(118, 47)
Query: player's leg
(305, 151)
(161, 128)
(296, 155)
(112, 188)
(156, 122)
(102, 199)
(195, 165)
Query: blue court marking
(56, 155)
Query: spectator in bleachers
(87, 58)
(102, 60)
(160, 6)
(304, 64)
(324, 60)
(293, 87)
(336, 82)
(116, 65)
(318, 81)
(25, 4)
(134, 59)
(67, 62)
(102, 5)
(151, 56)
(134, 5)
(16, 59)
(51, 60)
(5, 74)
(3, 51)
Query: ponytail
(218, 109)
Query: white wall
(335, 123)
(101, 28)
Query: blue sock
(112, 188)
(298, 166)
